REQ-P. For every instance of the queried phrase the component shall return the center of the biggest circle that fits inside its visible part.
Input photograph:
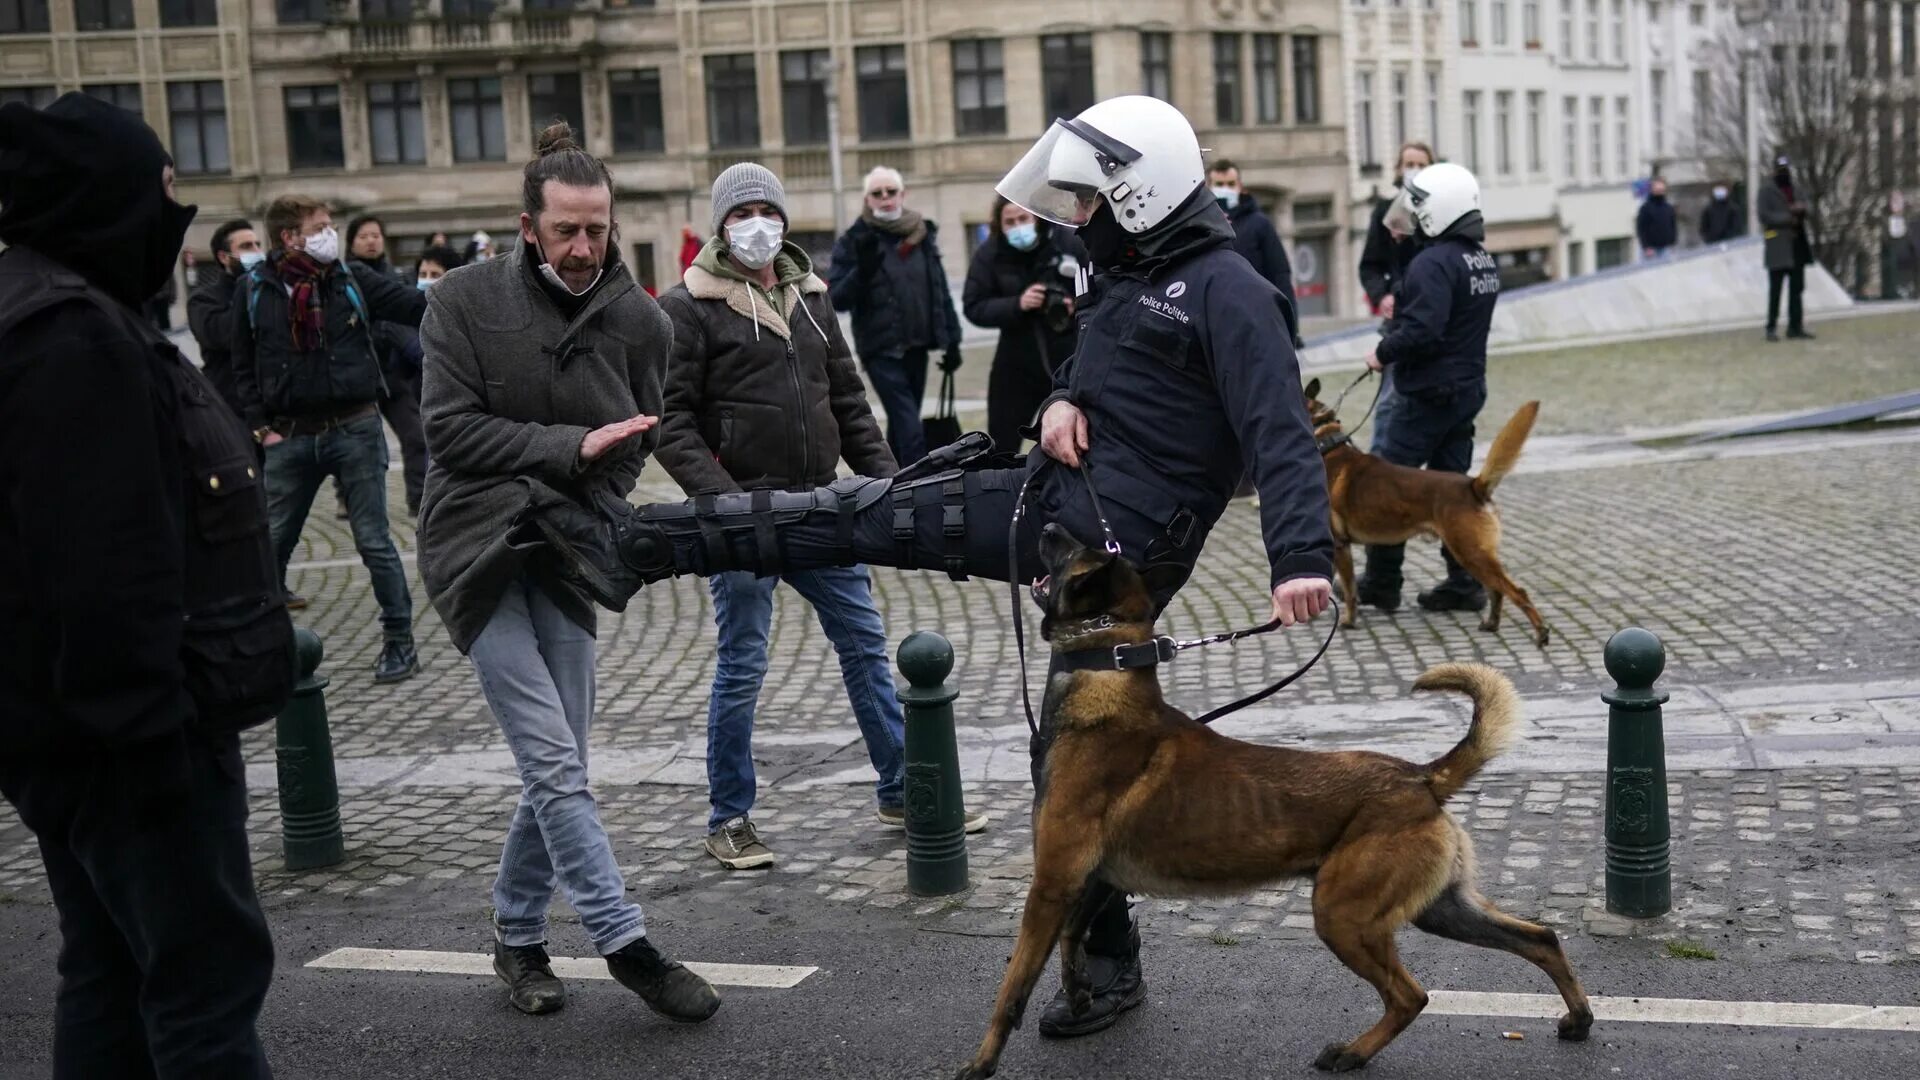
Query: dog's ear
(1313, 388)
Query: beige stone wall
(950, 177)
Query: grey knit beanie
(746, 183)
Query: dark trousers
(400, 407)
(164, 953)
(901, 382)
(1795, 281)
(1430, 429)
(1015, 388)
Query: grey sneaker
(737, 845)
(895, 817)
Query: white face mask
(250, 259)
(1228, 197)
(1720, 193)
(324, 245)
(890, 215)
(755, 241)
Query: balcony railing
(467, 34)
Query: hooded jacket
(762, 391)
(139, 592)
(1188, 379)
(1384, 260)
(1656, 224)
(1255, 238)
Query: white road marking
(1684, 1011)
(762, 976)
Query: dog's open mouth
(1042, 588)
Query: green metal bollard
(936, 818)
(309, 794)
(1639, 878)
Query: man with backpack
(308, 380)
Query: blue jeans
(901, 382)
(743, 609)
(536, 670)
(356, 453)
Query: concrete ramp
(1699, 289)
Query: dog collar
(1140, 654)
(1329, 445)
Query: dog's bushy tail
(1496, 719)
(1505, 451)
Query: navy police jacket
(1186, 373)
(1439, 337)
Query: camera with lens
(1059, 277)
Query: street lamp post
(1750, 15)
(833, 141)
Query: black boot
(665, 985)
(1379, 584)
(1117, 987)
(1460, 592)
(532, 986)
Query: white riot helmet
(1139, 153)
(1441, 195)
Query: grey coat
(1786, 237)
(510, 390)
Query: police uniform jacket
(1438, 342)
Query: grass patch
(1223, 939)
(1689, 950)
(952, 903)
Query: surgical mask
(324, 246)
(423, 284)
(1408, 174)
(1720, 194)
(755, 241)
(250, 259)
(1228, 197)
(553, 278)
(1023, 236)
(890, 215)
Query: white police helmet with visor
(1139, 153)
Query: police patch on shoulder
(1176, 290)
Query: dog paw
(1540, 639)
(1573, 1026)
(1080, 1001)
(1337, 1058)
(973, 1072)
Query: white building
(1400, 88)
(1676, 96)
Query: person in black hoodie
(400, 400)
(1255, 238)
(140, 607)
(1437, 351)
(1656, 225)
(1384, 260)
(1022, 283)
(1721, 220)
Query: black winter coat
(858, 283)
(991, 298)
(1438, 339)
(1255, 238)
(1656, 224)
(139, 591)
(754, 400)
(1384, 260)
(1721, 220)
(1188, 379)
(210, 317)
(272, 380)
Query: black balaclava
(80, 183)
(1196, 223)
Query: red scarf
(304, 277)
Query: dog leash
(1346, 436)
(1141, 654)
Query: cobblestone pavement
(1793, 864)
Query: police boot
(1379, 584)
(1459, 592)
(1116, 985)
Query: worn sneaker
(737, 845)
(398, 661)
(895, 817)
(532, 986)
(665, 985)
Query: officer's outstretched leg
(936, 515)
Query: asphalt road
(891, 1001)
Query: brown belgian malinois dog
(1378, 502)
(1134, 792)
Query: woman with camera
(1022, 283)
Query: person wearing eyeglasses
(886, 271)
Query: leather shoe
(532, 986)
(665, 985)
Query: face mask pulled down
(755, 241)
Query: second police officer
(1437, 352)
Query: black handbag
(943, 428)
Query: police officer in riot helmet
(1184, 379)
(1437, 351)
